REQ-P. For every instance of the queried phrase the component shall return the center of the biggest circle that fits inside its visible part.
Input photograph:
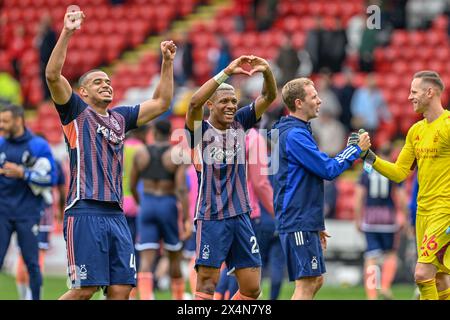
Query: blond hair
(295, 89)
(222, 87)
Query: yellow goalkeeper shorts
(432, 241)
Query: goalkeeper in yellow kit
(427, 146)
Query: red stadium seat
(316, 8)
(400, 67)
(285, 8)
(292, 24)
(345, 199)
(54, 136)
(332, 9)
(441, 53)
(441, 23)
(416, 38)
(234, 39)
(35, 95)
(359, 79)
(251, 39)
(399, 38)
(424, 54)
(300, 9)
(298, 40)
(436, 38)
(408, 53)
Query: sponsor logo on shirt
(110, 135)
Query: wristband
(221, 77)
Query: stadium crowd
(360, 78)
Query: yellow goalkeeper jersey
(428, 146)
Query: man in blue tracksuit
(298, 186)
(26, 176)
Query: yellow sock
(428, 290)
(444, 295)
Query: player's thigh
(245, 252)
(122, 266)
(148, 227)
(390, 241)
(169, 224)
(213, 242)
(6, 230)
(374, 245)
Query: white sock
(22, 291)
(28, 295)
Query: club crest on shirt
(436, 137)
(115, 124)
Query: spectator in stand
(329, 133)
(315, 44)
(183, 63)
(45, 42)
(368, 106)
(223, 57)
(330, 102)
(9, 87)
(368, 45)
(16, 49)
(287, 61)
(344, 94)
(355, 29)
(338, 41)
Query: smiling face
(419, 95)
(96, 87)
(310, 105)
(223, 107)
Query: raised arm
(304, 151)
(162, 98)
(269, 89)
(195, 111)
(60, 88)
